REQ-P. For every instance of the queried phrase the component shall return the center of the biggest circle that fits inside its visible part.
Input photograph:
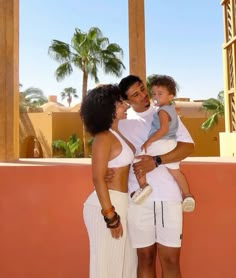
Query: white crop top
(126, 155)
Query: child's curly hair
(165, 81)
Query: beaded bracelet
(107, 211)
(111, 220)
(116, 225)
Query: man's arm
(147, 163)
(180, 152)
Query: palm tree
(69, 93)
(31, 98)
(87, 52)
(216, 109)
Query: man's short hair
(126, 83)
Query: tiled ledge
(214, 159)
(87, 161)
(47, 162)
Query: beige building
(39, 130)
(206, 141)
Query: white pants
(109, 257)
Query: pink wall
(42, 232)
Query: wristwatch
(157, 160)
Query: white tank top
(126, 155)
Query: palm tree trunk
(85, 134)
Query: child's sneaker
(141, 194)
(188, 204)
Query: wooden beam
(9, 80)
(137, 60)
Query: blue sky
(183, 39)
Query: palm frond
(94, 33)
(31, 97)
(115, 48)
(210, 122)
(114, 66)
(216, 109)
(59, 51)
(63, 70)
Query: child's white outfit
(168, 142)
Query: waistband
(117, 195)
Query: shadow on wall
(33, 143)
(46, 148)
(27, 135)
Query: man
(155, 225)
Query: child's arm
(164, 128)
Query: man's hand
(110, 173)
(145, 165)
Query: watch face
(158, 160)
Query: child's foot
(141, 194)
(188, 204)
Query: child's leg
(188, 199)
(142, 181)
(181, 180)
(141, 194)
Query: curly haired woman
(105, 210)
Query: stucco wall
(43, 235)
(207, 142)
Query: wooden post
(9, 80)
(137, 60)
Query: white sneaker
(188, 204)
(142, 194)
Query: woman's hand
(117, 232)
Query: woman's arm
(101, 149)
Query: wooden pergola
(9, 67)
(9, 80)
(228, 138)
(229, 63)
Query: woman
(106, 208)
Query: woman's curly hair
(98, 108)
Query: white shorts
(155, 222)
